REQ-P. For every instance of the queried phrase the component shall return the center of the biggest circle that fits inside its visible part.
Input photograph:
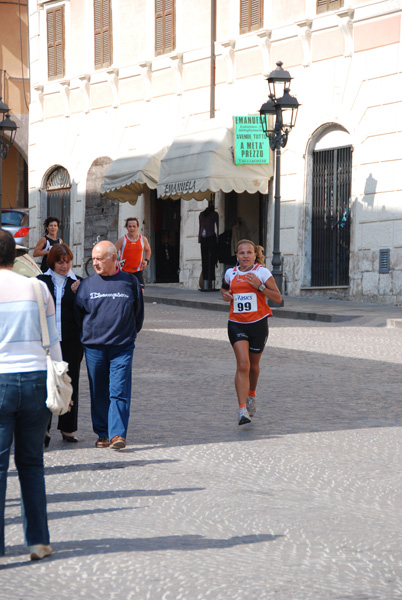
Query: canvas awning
(200, 163)
(128, 177)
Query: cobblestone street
(305, 503)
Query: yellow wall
(14, 89)
(14, 56)
(9, 179)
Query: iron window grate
(384, 260)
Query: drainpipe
(213, 60)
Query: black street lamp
(284, 108)
(8, 129)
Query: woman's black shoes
(71, 439)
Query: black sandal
(69, 438)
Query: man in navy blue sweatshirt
(110, 311)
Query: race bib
(244, 303)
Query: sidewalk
(311, 309)
(301, 504)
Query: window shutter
(169, 26)
(158, 27)
(59, 40)
(55, 42)
(244, 16)
(102, 33)
(255, 20)
(164, 26)
(326, 5)
(50, 45)
(106, 33)
(251, 15)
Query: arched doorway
(331, 196)
(58, 197)
(101, 214)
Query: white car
(25, 264)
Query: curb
(278, 312)
(394, 323)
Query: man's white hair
(111, 250)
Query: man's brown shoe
(102, 442)
(117, 442)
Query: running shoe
(251, 406)
(244, 417)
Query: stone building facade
(116, 78)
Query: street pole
(278, 137)
(276, 252)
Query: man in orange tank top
(134, 250)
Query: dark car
(16, 221)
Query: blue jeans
(24, 416)
(109, 374)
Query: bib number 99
(244, 303)
(243, 306)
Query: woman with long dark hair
(43, 247)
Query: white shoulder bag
(58, 382)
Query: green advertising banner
(251, 146)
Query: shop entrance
(245, 218)
(166, 246)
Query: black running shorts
(256, 334)
(140, 277)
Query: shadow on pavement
(65, 550)
(111, 495)
(191, 395)
(106, 466)
(67, 514)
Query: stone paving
(305, 503)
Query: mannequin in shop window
(208, 238)
(239, 232)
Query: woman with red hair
(63, 284)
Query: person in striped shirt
(24, 415)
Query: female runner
(247, 287)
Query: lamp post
(8, 130)
(284, 108)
